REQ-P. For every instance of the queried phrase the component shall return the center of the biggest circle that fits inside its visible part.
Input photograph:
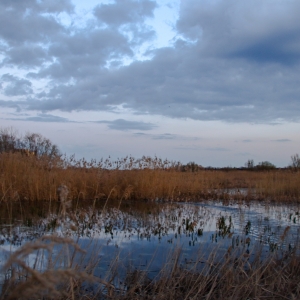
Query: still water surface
(145, 237)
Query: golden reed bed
(37, 178)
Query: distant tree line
(249, 165)
(266, 165)
(30, 143)
(190, 167)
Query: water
(149, 236)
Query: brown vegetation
(67, 277)
(32, 177)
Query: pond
(148, 236)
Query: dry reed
(32, 178)
(232, 277)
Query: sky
(211, 81)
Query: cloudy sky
(211, 81)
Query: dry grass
(32, 178)
(232, 277)
(46, 276)
(224, 281)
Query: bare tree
(40, 145)
(9, 140)
(295, 161)
(249, 164)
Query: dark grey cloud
(39, 118)
(281, 140)
(50, 6)
(275, 49)
(25, 56)
(30, 20)
(41, 6)
(222, 65)
(257, 31)
(46, 118)
(10, 104)
(125, 11)
(128, 17)
(167, 136)
(164, 136)
(15, 86)
(82, 55)
(27, 28)
(124, 125)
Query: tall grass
(231, 277)
(33, 178)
